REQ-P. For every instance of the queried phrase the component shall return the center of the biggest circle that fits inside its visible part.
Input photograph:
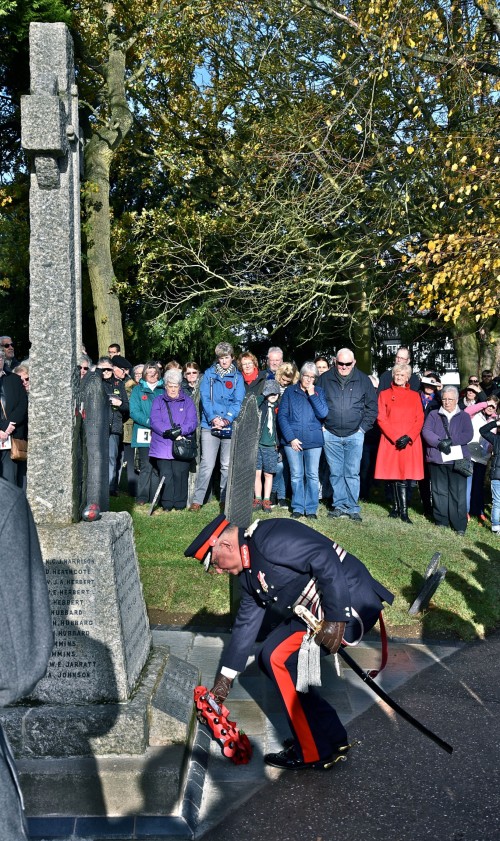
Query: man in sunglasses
(352, 411)
(10, 360)
(488, 384)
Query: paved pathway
(254, 706)
(371, 795)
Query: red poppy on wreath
(144, 397)
(229, 384)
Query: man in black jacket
(352, 411)
(118, 413)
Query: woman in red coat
(400, 455)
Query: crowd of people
(327, 432)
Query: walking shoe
(495, 529)
(195, 506)
(296, 515)
(358, 518)
(289, 759)
(256, 504)
(266, 506)
(282, 503)
(337, 513)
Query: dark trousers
(449, 496)
(424, 486)
(8, 468)
(148, 479)
(128, 456)
(314, 723)
(476, 507)
(175, 489)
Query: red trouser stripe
(289, 694)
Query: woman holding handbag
(447, 431)
(173, 422)
(13, 420)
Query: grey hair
(309, 368)
(136, 367)
(275, 350)
(173, 376)
(23, 366)
(5, 337)
(224, 349)
(452, 388)
(2, 352)
(403, 367)
(345, 350)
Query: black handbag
(463, 466)
(184, 447)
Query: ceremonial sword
(314, 625)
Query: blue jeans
(304, 466)
(344, 458)
(495, 507)
(282, 476)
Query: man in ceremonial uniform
(282, 564)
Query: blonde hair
(287, 369)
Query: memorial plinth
(101, 629)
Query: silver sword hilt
(312, 622)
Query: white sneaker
(495, 529)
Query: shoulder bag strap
(444, 421)
(169, 412)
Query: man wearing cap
(281, 564)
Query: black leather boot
(403, 507)
(394, 512)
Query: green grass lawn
(466, 604)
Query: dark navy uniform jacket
(284, 556)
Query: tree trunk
(466, 348)
(361, 329)
(104, 140)
(100, 267)
(490, 346)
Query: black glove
(444, 446)
(221, 687)
(173, 433)
(330, 635)
(403, 442)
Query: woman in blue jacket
(141, 400)
(302, 409)
(222, 391)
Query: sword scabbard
(314, 625)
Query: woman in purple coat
(182, 414)
(447, 431)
